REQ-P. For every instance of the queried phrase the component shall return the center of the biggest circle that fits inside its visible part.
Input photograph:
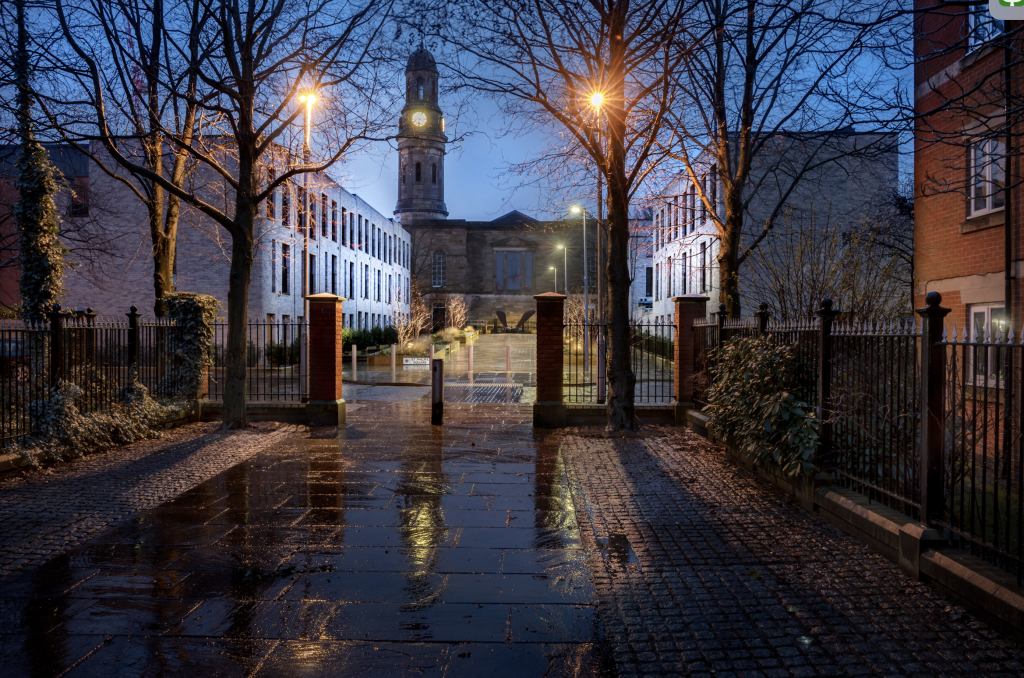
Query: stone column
(326, 407)
(549, 410)
(689, 307)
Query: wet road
(483, 548)
(400, 549)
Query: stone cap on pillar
(549, 296)
(692, 298)
(324, 298)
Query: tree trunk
(728, 257)
(163, 265)
(621, 380)
(238, 311)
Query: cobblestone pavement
(44, 513)
(481, 548)
(702, 570)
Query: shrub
(281, 354)
(759, 401)
(190, 339)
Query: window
(301, 208)
(649, 289)
(401, 170)
(79, 198)
(669, 278)
(285, 268)
(433, 172)
(323, 215)
(703, 269)
(686, 262)
(986, 190)
(273, 258)
(988, 322)
(334, 221)
(351, 230)
(418, 168)
(366, 281)
(657, 282)
(351, 282)
(438, 269)
(419, 88)
(981, 26)
(360, 233)
(513, 269)
(286, 204)
(312, 274)
(271, 174)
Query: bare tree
(410, 324)
(251, 61)
(765, 88)
(456, 310)
(544, 61)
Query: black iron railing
(587, 351)
(982, 447)
(274, 362)
(24, 374)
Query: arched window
(438, 272)
(418, 177)
(419, 88)
(433, 172)
(402, 170)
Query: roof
(515, 216)
(421, 60)
(69, 161)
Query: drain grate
(482, 393)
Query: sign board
(416, 361)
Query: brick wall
(325, 350)
(689, 307)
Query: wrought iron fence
(876, 412)
(982, 448)
(24, 374)
(587, 352)
(273, 362)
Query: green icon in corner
(1012, 3)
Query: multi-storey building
(966, 227)
(311, 230)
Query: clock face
(419, 119)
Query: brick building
(960, 209)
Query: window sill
(979, 51)
(982, 222)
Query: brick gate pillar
(689, 307)
(549, 410)
(325, 407)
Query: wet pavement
(481, 548)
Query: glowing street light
(596, 99)
(309, 100)
(565, 268)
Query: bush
(281, 354)
(190, 340)
(375, 336)
(760, 402)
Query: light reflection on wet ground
(392, 548)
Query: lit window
(988, 324)
(986, 189)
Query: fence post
(133, 339)
(325, 324)
(762, 319)
(689, 307)
(722, 315)
(56, 346)
(828, 316)
(549, 409)
(933, 386)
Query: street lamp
(576, 209)
(552, 268)
(309, 100)
(596, 99)
(565, 268)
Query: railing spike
(1009, 335)
(944, 334)
(955, 335)
(988, 334)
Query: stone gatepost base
(549, 415)
(325, 412)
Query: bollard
(353, 361)
(394, 350)
(470, 358)
(508, 358)
(437, 391)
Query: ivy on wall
(189, 343)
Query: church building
(498, 265)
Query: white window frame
(438, 269)
(982, 28)
(988, 175)
(991, 314)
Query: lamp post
(576, 209)
(565, 268)
(596, 99)
(308, 99)
(552, 268)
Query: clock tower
(421, 144)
